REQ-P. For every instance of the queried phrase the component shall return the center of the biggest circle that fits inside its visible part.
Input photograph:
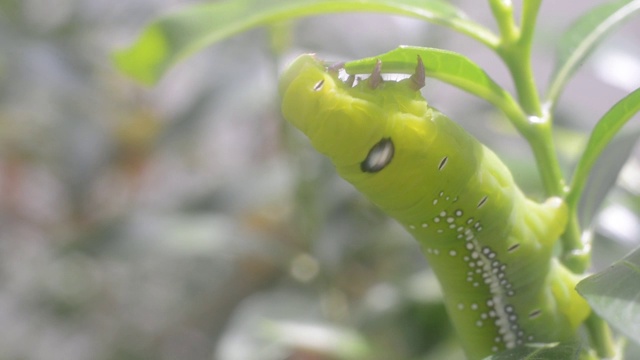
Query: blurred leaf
(444, 65)
(605, 174)
(603, 132)
(175, 36)
(326, 341)
(614, 294)
(583, 36)
(552, 351)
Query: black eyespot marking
(482, 201)
(379, 156)
(443, 162)
(318, 85)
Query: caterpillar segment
(489, 245)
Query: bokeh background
(188, 221)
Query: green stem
(515, 50)
(541, 142)
(601, 337)
(576, 255)
(518, 60)
(503, 13)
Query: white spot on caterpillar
(441, 193)
(443, 163)
(436, 219)
(425, 225)
(460, 306)
(443, 213)
(483, 316)
(474, 306)
(436, 251)
(435, 201)
(412, 227)
(458, 213)
(440, 231)
(494, 349)
(453, 253)
(479, 323)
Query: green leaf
(583, 36)
(173, 37)
(614, 294)
(604, 174)
(447, 66)
(606, 128)
(553, 351)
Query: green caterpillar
(490, 246)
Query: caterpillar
(488, 244)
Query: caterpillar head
(378, 134)
(343, 121)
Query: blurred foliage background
(187, 221)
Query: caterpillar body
(489, 245)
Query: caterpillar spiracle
(488, 244)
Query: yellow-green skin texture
(490, 246)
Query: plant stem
(576, 255)
(601, 337)
(503, 12)
(541, 142)
(515, 50)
